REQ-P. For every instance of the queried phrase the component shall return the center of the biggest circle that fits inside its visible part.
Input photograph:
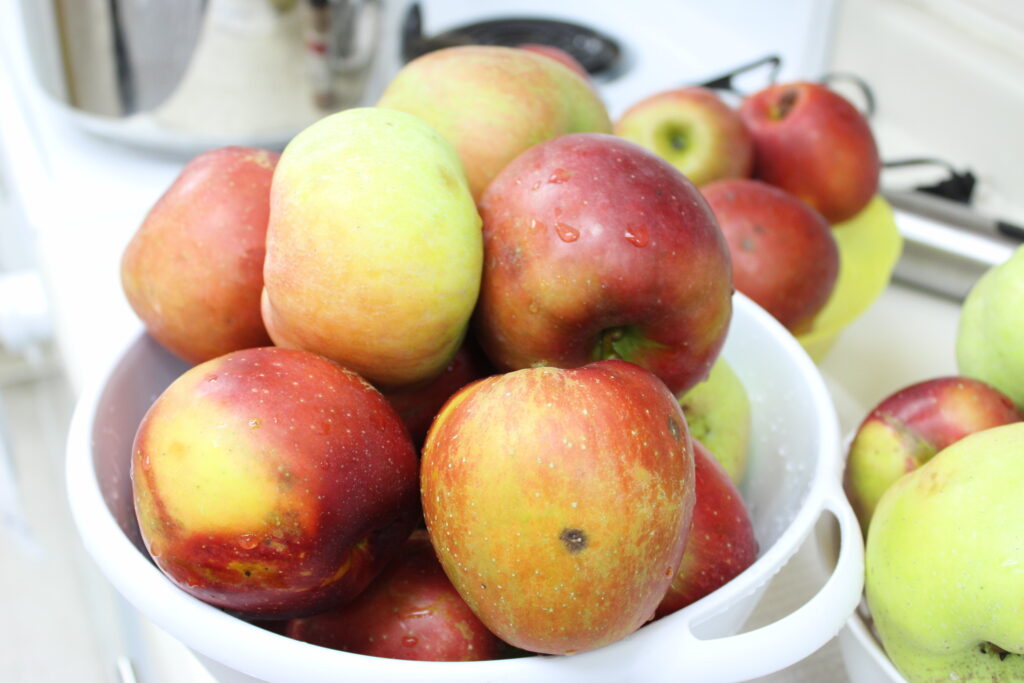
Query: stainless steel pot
(196, 73)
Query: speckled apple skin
(944, 562)
(559, 501)
(588, 233)
(273, 482)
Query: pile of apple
(935, 473)
(455, 355)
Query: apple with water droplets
(558, 501)
(596, 248)
(273, 482)
(410, 611)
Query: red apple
(273, 482)
(417, 405)
(694, 130)
(559, 501)
(721, 542)
(813, 142)
(411, 611)
(557, 54)
(911, 425)
(784, 255)
(196, 262)
(596, 248)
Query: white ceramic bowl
(863, 656)
(793, 476)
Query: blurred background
(103, 101)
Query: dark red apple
(596, 248)
(411, 611)
(911, 425)
(273, 482)
(721, 543)
(784, 255)
(812, 142)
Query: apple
(373, 246)
(417, 405)
(910, 426)
(694, 130)
(410, 611)
(273, 483)
(557, 54)
(196, 261)
(718, 414)
(525, 478)
(784, 255)
(813, 143)
(492, 103)
(943, 563)
(597, 248)
(990, 332)
(720, 543)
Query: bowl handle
(793, 637)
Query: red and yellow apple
(694, 130)
(557, 54)
(373, 247)
(197, 259)
(492, 103)
(784, 255)
(596, 248)
(813, 143)
(273, 483)
(524, 480)
(720, 543)
(410, 611)
(911, 425)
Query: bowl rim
(260, 652)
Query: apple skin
(720, 544)
(373, 246)
(943, 562)
(557, 54)
(718, 414)
(596, 248)
(273, 483)
(197, 258)
(910, 426)
(492, 103)
(524, 479)
(784, 255)
(694, 130)
(417, 405)
(411, 611)
(813, 143)
(990, 332)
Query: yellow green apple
(373, 247)
(718, 413)
(945, 563)
(492, 103)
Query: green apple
(945, 563)
(694, 130)
(990, 335)
(493, 102)
(374, 249)
(718, 413)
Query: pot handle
(793, 637)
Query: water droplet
(567, 233)
(559, 175)
(535, 186)
(637, 235)
(247, 541)
(421, 612)
(410, 641)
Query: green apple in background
(694, 130)
(718, 413)
(945, 563)
(990, 336)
